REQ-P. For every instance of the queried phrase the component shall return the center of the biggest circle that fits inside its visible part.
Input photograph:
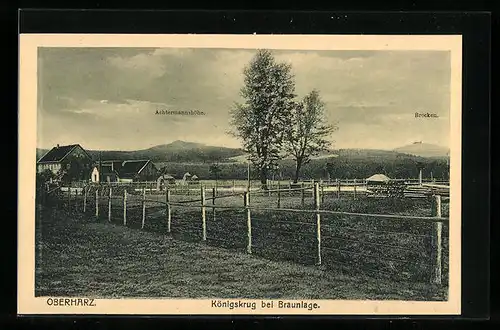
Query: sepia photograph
(245, 177)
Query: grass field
(391, 248)
(79, 256)
(362, 258)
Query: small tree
(329, 167)
(307, 134)
(261, 121)
(215, 171)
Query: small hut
(195, 178)
(377, 185)
(377, 179)
(383, 186)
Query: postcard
(239, 174)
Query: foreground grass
(78, 257)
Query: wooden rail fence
(436, 218)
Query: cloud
(149, 64)
(114, 92)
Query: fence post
(76, 199)
(203, 214)
(322, 193)
(97, 203)
(169, 212)
(303, 194)
(354, 188)
(290, 188)
(213, 202)
(437, 241)
(143, 207)
(69, 197)
(279, 194)
(109, 204)
(84, 199)
(318, 221)
(338, 188)
(246, 202)
(248, 192)
(125, 207)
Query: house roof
(56, 154)
(378, 178)
(125, 169)
(131, 168)
(194, 177)
(116, 163)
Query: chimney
(57, 146)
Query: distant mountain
(190, 152)
(180, 156)
(424, 150)
(177, 151)
(340, 155)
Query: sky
(106, 98)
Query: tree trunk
(263, 177)
(298, 164)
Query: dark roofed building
(138, 170)
(108, 173)
(126, 171)
(71, 161)
(58, 153)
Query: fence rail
(98, 196)
(345, 185)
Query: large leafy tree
(261, 120)
(308, 133)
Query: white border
(28, 304)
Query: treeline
(401, 168)
(197, 155)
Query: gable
(149, 168)
(80, 153)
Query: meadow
(393, 251)
(79, 255)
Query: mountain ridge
(423, 150)
(176, 151)
(186, 151)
